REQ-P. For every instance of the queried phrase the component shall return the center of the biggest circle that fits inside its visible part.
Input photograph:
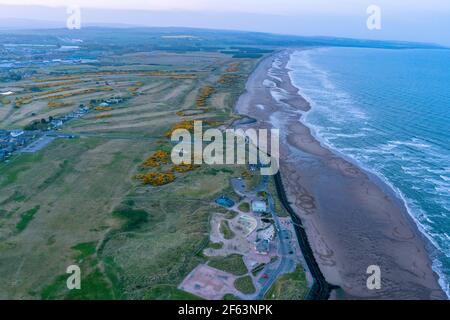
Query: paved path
(37, 145)
(286, 263)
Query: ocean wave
(349, 135)
(416, 157)
(322, 93)
(415, 143)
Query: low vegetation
(167, 292)
(215, 245)
(233, 264)
(26, 218)
(244, 207)
(156, 159)
(226, 230)
(187, 125)
(103, 115)
(252, 179)
(245, 285)
(279, 208)
(156, 178)
(85, 250)
(132, 218)
(291, 286)
(203, 96)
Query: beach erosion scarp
(351, 221)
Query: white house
(259, 207)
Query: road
(286, 263)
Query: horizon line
(118, 25)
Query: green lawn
(85, 250)
(279, 208)
(226, 230)
(291, 286)
(168, 292)
(93, 287)
(216, 245)
(232, 264)
(26, 218)
(244, 207)
(132, 218)
(245, 285)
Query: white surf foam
(322, 93)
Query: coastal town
(36, 137)
(89, 176)
(37, 134)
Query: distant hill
(429, 28)
(182, 39)
(20, 24)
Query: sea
(389, 111)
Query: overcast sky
(413, 20)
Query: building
(259, 207)
(57, 123)
(262, 246)
(267, 233)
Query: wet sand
(352, 219)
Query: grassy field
(291, 286)
(226, 230)
(245, 285)
(279, 208)
(167, 292)
(78, 201)
(244, 207)
(66, 198)
(26, 217)
(215, 246)
(232, 264)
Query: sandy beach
(352, 219)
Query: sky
(410, 20)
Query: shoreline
(386, 186)
(353, 219)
